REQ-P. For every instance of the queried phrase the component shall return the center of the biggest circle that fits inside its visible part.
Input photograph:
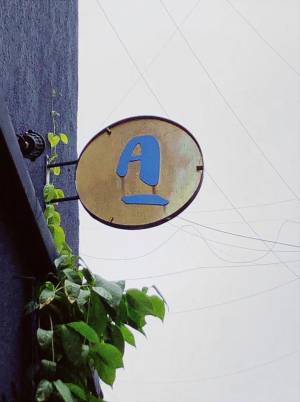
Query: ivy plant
(84, 320)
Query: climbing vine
(84, 320)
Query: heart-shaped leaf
(85, 330)
(44, 338)
(64, 391)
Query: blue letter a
(149, 159)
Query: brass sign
(139, 172)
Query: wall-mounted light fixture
(32, 144)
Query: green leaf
(68, 251)
(127, 335)
(54, 219)
(158, 307)
(121, 284)
(64, 138)
(53, 139)
(136, 320)
(117, 338)
(139, 301)
(106, 373)
(111, 356)
(77, 391)
(64, 391)
(85, 349)
(44, 390)
(110, 291)
(59, 193)
(88, 275)
(83, 298)
(49, 192)
(92, 398)
(73, 275)
(44, 338)
(97, 314)
(49, 367)
(65, 261)
(56, 170)
(31, 306)
(72, 345)
(58, 235)
(103, 293)
(48, 212)
(121, 313)
(72, 290)
(47, 294)
(85, 330)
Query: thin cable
(239, 235)
(181, 229)
(267, 204)
(216, 377)
(261, 37)
(130, 56)
(135, 257)
(206, 267)
(225, 100)
(235, 300)
(154, 58)
(150, 88)
(249, 226)
(213, 82)
(226, 260)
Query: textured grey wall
(38, 52)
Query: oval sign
(139, 172)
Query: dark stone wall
(12, 299)
(38, 53)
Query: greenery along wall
(84, 320)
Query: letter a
(149, 159)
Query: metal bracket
(59, 164)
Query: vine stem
(53, 117)
(87, 315)
(52, 341)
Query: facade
(38, 54)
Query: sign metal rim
(160, 221)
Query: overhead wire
(154, 58)
(254, 29)
(153, 93)
(235, 300)
(238, 234)
(125, 48)
(267, 204)
(182, 229)
(226, 101)
(213, 82)
(206, 267)
(216, 377)
(156, 97)
(270, 163)
(226, 260)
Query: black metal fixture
(32, 144)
